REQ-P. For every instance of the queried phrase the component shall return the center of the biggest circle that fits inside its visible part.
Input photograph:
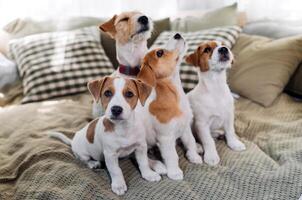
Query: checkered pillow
(59, 63)
(188, 74)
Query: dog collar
(127, 70)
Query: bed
(33, 166)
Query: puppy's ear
(147, 75)
(192, 59)
(143, 90)
(95, 88)
(109, 27)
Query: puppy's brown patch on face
(200, 58)
(91, 130)
(130, 93)
(134, 90)
(109, 126)
(157, 64)
(107, 92)
(166, 105)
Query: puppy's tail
(60, 136)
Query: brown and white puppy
(116, 134)
(164, 117)
(211, 100)
(131, 30)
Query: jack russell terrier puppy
(131, 30)
(168, 115)
(117, 133)
(211, 100)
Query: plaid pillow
(188, 74)
(59, 63)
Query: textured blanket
(33, 166)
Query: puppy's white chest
(127, 149)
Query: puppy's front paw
(158, 166)
(151, 176)
(175, 174)
(119, 187)
(193, 157)
(93, 164)
(236, 145)
(211, 158)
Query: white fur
(213, 108)
(165, 135)
(128, 136)
(129, 54)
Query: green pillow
(226, 16)
(294, 86)
(263, 66)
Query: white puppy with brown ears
(131, 30)
(211, 100)
(118, 133)
(167, 114)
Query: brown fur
(95, 87)
(109, 26)
(107, 85)
(130, 86)
(200, 58)
(154, 68)
(143, 89)
(166, 105)
(147, 75)
(140, 90)
(155, 71)
(109, 126)
(91, 130)
(119, 28)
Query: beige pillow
(19, 28)
(263, 66)
(23, 27)
(226, 16)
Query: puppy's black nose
(116, 110)
(143, 20)
(223, 50)
(177, 36)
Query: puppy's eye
(207, 50)
(129, 94)
(124, 19)
(108, 93)
(160, 53)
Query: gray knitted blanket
(32, 166)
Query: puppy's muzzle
(177, 36)
(143, 20)
(224, 54)
(116, 111)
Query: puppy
(211, 100)
(131, 30)
(117, 133)
(166, 117)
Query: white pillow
(8, 71)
